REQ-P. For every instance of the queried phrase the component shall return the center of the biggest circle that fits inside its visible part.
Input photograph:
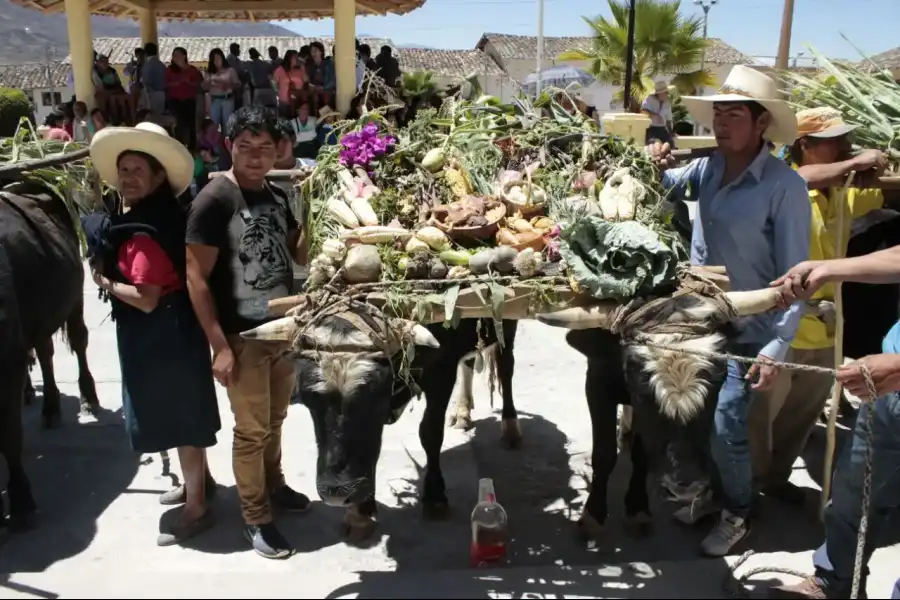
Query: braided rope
(736, 586)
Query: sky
(751, 26)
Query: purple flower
(369, 131)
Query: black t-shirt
(251, 229)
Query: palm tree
(665, 44)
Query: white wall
(37, 96)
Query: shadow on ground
(76, 472)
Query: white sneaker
(728, 531)
(700, 507)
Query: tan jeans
(781, 422)
(259, 397)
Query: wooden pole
(784, 42)
(837, 388)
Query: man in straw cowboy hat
(835, 560)
(659, 109)
(781, 425)
(753, 218)
(241, 237)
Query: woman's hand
(98, 278)
(801, 282)
(885, 372)
(223, 366)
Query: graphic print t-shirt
(250, 228)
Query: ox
(349, 381)
(41, 292)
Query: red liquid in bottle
(490, 528)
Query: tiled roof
(525, 46)
(218, 10)
(720, 53)
(456, 64)
(120, 50)
(31, 76)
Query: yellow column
(345, 52)
(147, 22)
(81, 51)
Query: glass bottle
(490, 527)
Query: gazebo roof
(229, 10)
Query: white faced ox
(352, 386)
(672, 394)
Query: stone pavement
(100, 514)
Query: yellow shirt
(812, 334)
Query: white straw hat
(744, 84)
(109, 143)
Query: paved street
(100, 515)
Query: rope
(736, 586)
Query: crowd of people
(194, 105)
(195, 280)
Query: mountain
(26, 34)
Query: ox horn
(753, 302)
(279, 330)
(579, 317)
(421, 336)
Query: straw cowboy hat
(326, 111)
(148, 138)
(661, 87)
(744, 84)
(822, 123)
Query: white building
(47, 84)
(516, 55)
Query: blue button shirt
(757, 227)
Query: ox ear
(580, 317)
(280, 330)
(753, 302)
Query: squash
(415, 245)
(434, 160)
(434, 237)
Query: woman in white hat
(753, 218)
(168, 394)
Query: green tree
(665, 44)
(13, 106)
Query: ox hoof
(436, 511)
(639, 525)
(357, 527)
(510, 434)
(462, 422)
(589, 528)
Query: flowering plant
(360, 148)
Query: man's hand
(661, 155)
(223, 366)
(874, 160)
(801, 282)
(764, 374)
(885, 372)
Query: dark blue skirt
(168, 394)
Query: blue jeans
(844, 510)
(730, 444)
(220, 109)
